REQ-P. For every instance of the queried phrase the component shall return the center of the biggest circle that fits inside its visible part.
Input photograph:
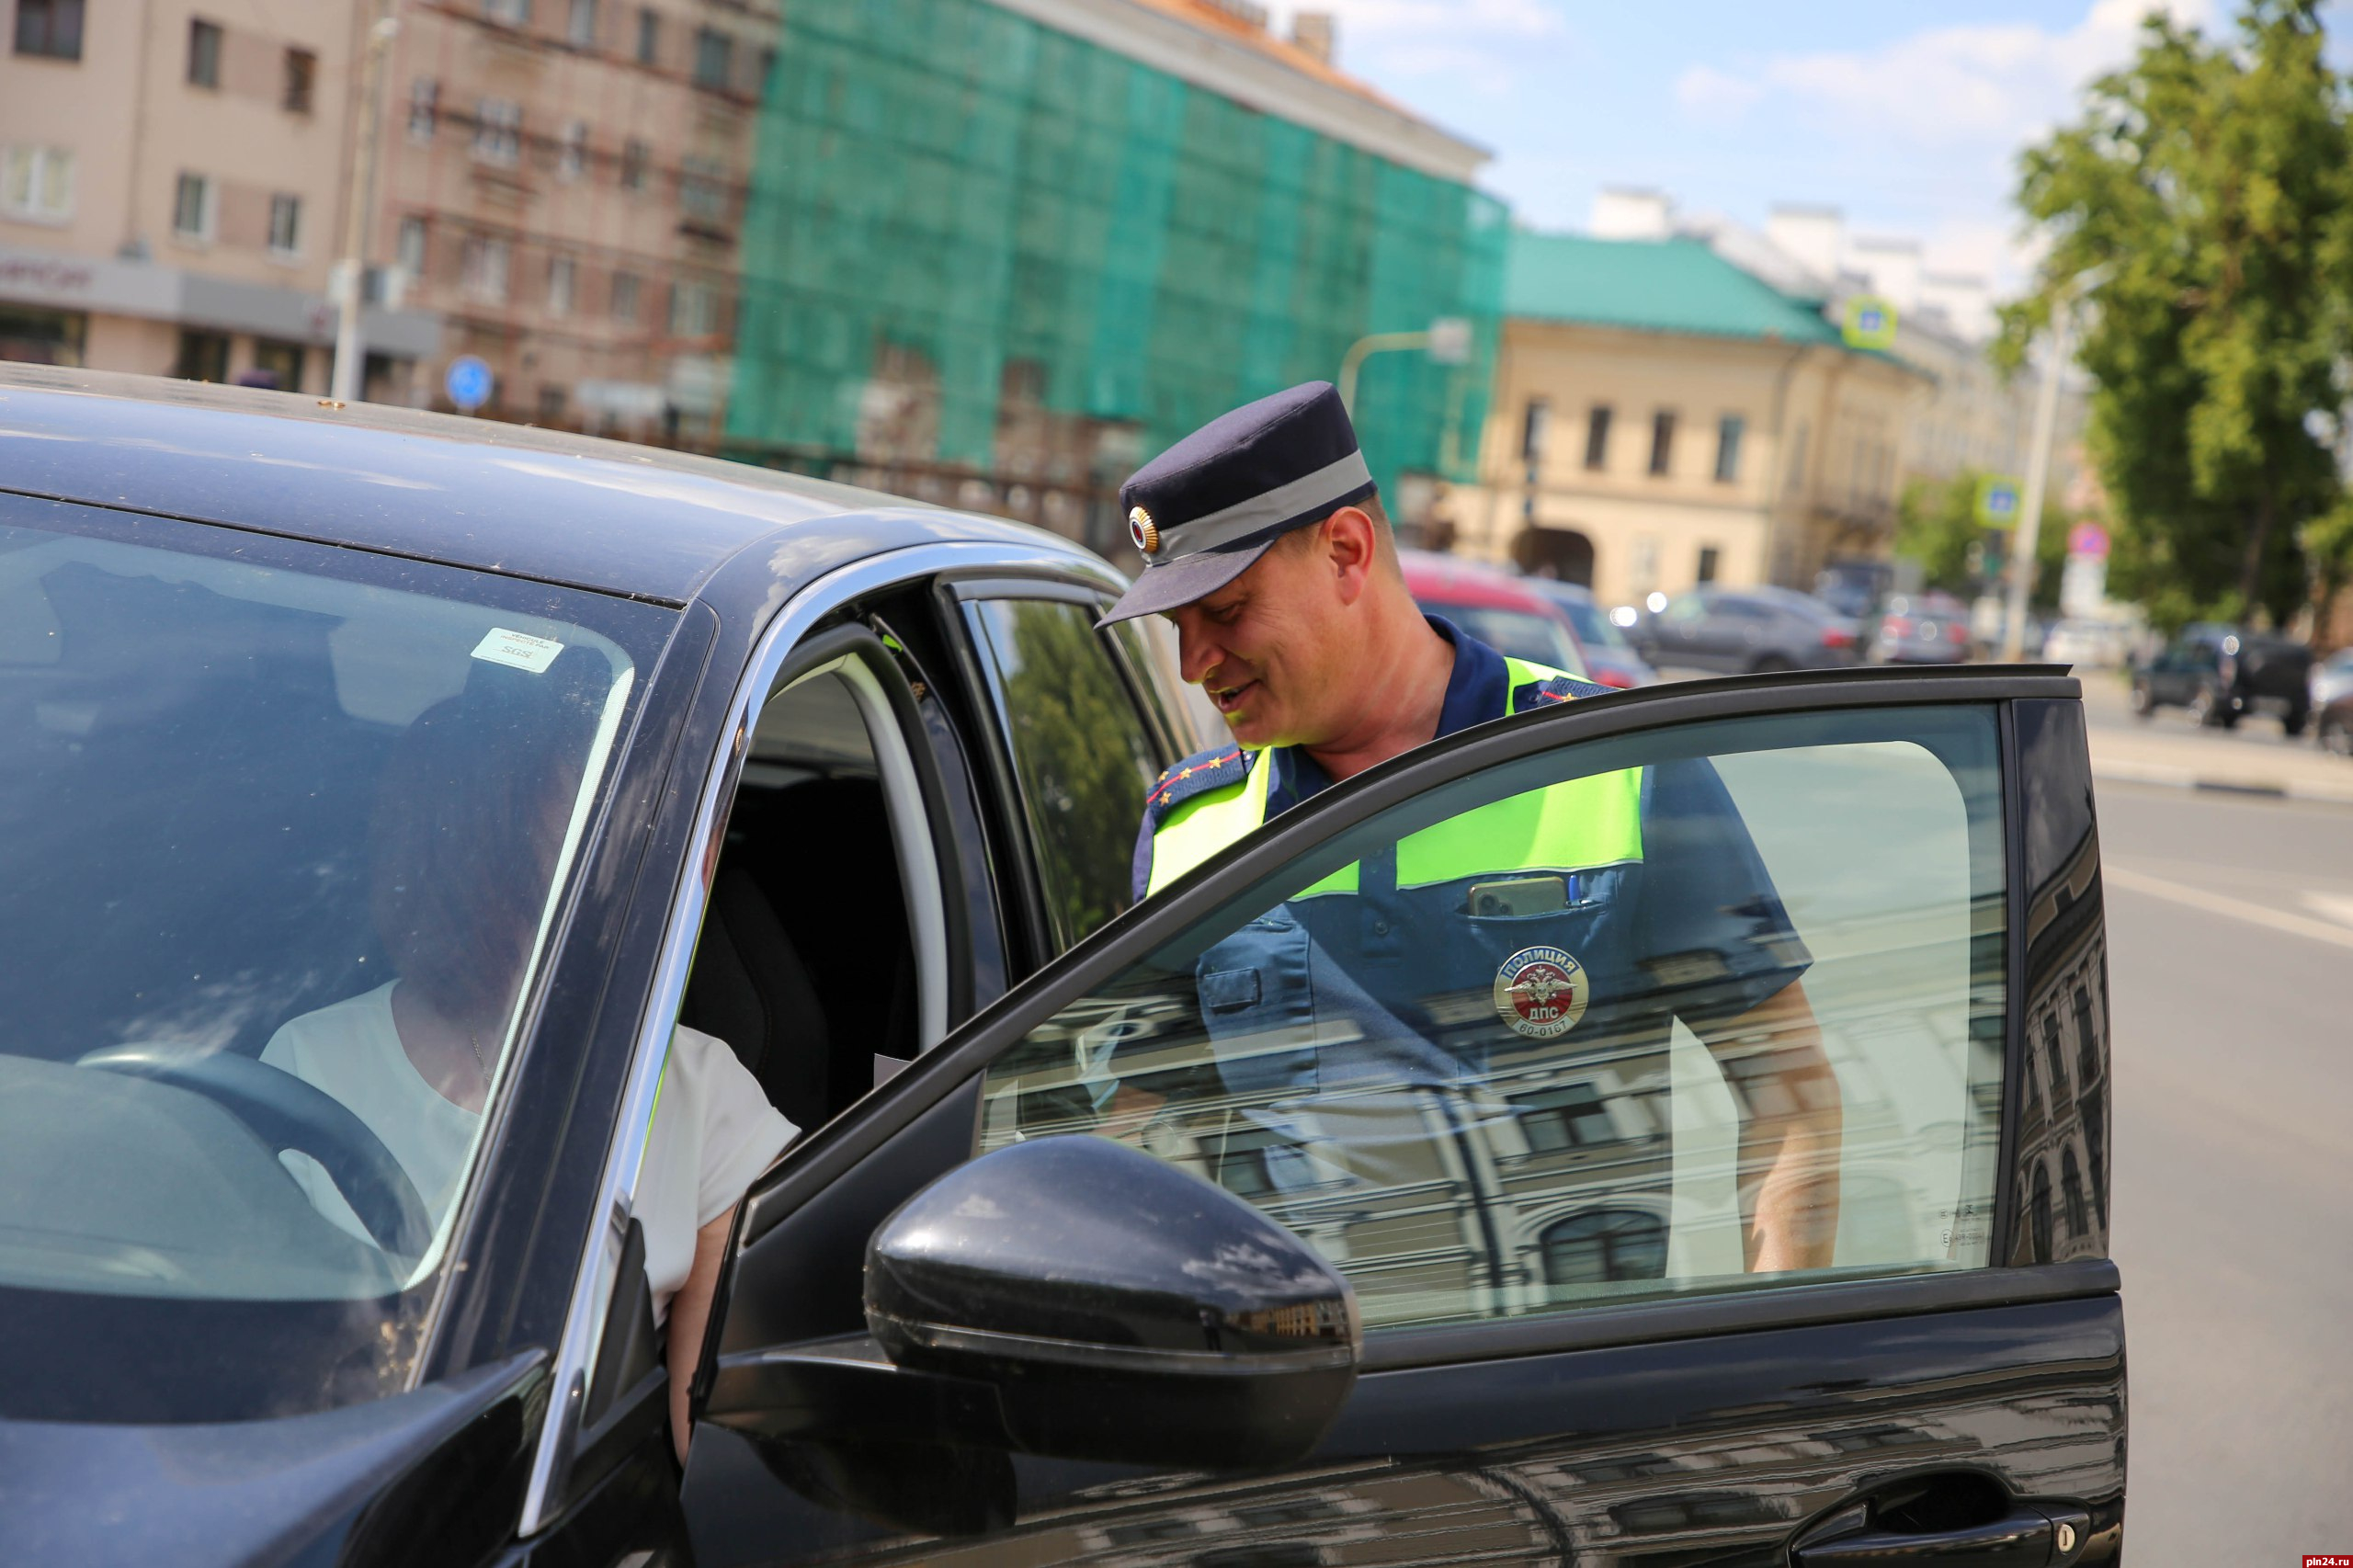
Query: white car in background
(2331, 679)
(2089, 644)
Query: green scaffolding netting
(948, 180)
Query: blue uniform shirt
(1397, 984)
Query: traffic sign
(2089, 540)
(1998, 501)
(1871, 322)
(469, 382)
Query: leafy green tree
(1935, 525)
(2202, 207)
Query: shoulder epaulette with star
(1560, 689)
(1197, 775)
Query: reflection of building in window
(1567, 1118)
(1242, 1167)
(2087, 1043)
(1604, 1244)
(2039, 1215)
(2071, 1193)
(1698, 1510)
(2058, 1065)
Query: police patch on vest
(1541, 992)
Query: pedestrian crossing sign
(1871, 322)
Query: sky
(1908, 116)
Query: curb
(2189, 779)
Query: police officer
(1265, 542)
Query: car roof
(556, 507)
(1443, 579)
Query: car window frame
(962, 589)
(561, 1467)
(956, 1067)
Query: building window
(2071, 1194)
(702, 189)
(301, 77)
(1728, 434)
(1708, 560)
(625, 296)
(635, 155)
(203, 356)
(1534, 420)
(563, 282)
(481, 269)
(409, 252)
(1605, 1244)
(498, 132)
(424, 108)
(649, 35)
(1561, 1119)
(580, 27)
(51, 28)
(203, 53)
(37, 184)
(767, 69)
(1661, 441)
(2057, 1065)
(711, 57)
(572, 151)
(694, 310)
(1797, 456)
(551, 404)
(192, 207)
(2086, 1041)
(1596, 438)
(286, 225)
(42, 337)
(278, 366)
(513, 13)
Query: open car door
(1666, 1129)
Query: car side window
(1082, 757)
(1709, 1008)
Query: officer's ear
(1352, 544)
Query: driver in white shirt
(468, 820)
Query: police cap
(1202, 511)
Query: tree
(2204, 208)
(1937, 525)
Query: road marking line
(2338, 906)
(2222, 904)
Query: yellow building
(1663, 418)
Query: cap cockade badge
(1143, 530)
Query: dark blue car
(317, 724)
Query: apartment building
(171, 192)
(563, 182)
(1663, 417)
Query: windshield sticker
(520, 649)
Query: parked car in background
(2221, 674)
(1612, 659)
(1921, 629)
(2093, 644)
(1497, 608)
(1742, 630)
(1855, 589)
(2331, 679)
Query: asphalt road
(2231, 969)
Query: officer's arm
(1787, 1095)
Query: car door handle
(2026, 1537)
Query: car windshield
(285, 828)
(1520, 634)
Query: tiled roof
(1673, 286)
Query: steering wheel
(288, 1113)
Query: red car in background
(1496, 609)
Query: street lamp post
(350, 353)
(2037, 471)
(1447, 339)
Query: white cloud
(1705, 93)
(1998, 84)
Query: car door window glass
(1082, 756)
(1553, 1034)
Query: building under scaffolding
(992, 257)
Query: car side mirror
(1123, 1310)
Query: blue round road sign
(468, 382)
